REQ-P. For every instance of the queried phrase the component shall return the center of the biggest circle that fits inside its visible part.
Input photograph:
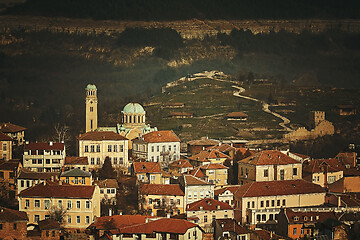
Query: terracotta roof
(26, 174)
(211, 166)
(10, 215)
(191, 180)
(233, 189)
(222, 148)
(302, 156)
(345, 184)
(160, 136)
(107, 183)
(163, 225)
(45, 146)
(269, 157)
(181, 163)
(58, 191)
(118, 221)
(75, 172)
(345, 200)
(147, 167)
(10, 165)
(273, 188)
(76, 161)
(237, 114)
(162, 189)
(10, 128)
(4, 137)
(316, 165)
(101, 136)
(208, 204)
(307, 217)
(347, 158)
(48, 224)
(230, 225)
(196, 172)
(266, 235)
(204, 156)
(203, 142)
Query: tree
(58, 214)
(107, 171)
(166, 206)
(61, 133)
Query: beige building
(195, 189)
(17, 133)
(44, 157)
(82, 203)
(216, 173)
(5, 147)
(108, 190)
(205, 211)
(323, 171)
(76, 162)
(162, 199)
(208, 156)
(76, 176)
(147, 172)
(28, 178)
(91, 102)
(268, 165)
(258, 202)
(96, 146)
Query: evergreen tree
(107, 171)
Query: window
(69, 204)
(76, 181)
(169, 148)
(36, 218)
(108, 191)
(248, 204)
(4, 147)
(115, 160)
(121, 160)
(69, 219)
(77, 219)
(60, 203)
(178, 201)
(92, 148)
(266, 172)
(14, 226)
(47, 216)
(294, 231)
(157, 148)
(78, 204)
(1, 226)
(283, 202)
(152, 158)
(267, 203)
(302, 231)
(67, 180)
(87, 219)
(157, 158)
(34, 161)
(263, 217)
(91, 109)
(273, 203)
(282, 173)
(211, 172)
(109, 148)
(331, 179)
(97, 148)
(253, 204)
(205, 218)
(47, 233)
(27, 203)
(112, 190)
(98, 161)
(278, 202)
(115, 148)
(47, 204)
(258, 217)
(262, 204)
(27, 184)
(87, 204)
(92, 160)
(121, 148)
(83, 180)
(295, 171)
(37, 203)
(22, 183)
(152, 148)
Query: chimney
(201, 208)
(168, 215)
(110, 212)
(60, 182)
(339, 201)
(51, 143)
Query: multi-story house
(269, 165)
(28, 178)
(76, 177)
(208, 156)
(216, 173)
(82, 203)
(76, 162)
(97, 145)
(44, 157)
(158, 146)
(9, 171)
(162, 199)
(196, 146)
(323, 171)
(205, 211)
(17, 133)
(258, 202)
(147, 172)
(195, 189)
(181, 166)
(13, 224)
(230, 229)
(227, 194)
(5, 147)
(108, 190)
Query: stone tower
(315, 118)
(91, 102)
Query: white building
(158, 146)
(44, 157)
(96, 146)
(195, 189)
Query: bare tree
(58, 214)
(61, 133)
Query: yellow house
(161, 199)
(76, 162)
(323, 171)
(216, 173)
(76, 177)
(5, 147)
(17, 133)
(147, 172)
(81, 203)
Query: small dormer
(296, 218)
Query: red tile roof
(266, 235)
(76, 161)
(191, 180)
(203, 142)
(222, 148)
(273, 188)
(118, 221)
(160, 136)
(10, 165)
(211, 166)
(269, 157)
(10, 215)
(204, 156)
(308, 217)
(4, 137)
(347, 158)
(163, 225)
(10, 128)
(147, 167)
(181, 163)
(162, 189)
(58, 191)
(107, 183)
(316, 165)
(101, 136)
(237, 114)
(233, 189)
(48, 224)
(45, 146)
(230, 225)
(208, 204)
(196, 172)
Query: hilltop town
(133, 180)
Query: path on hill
(265, 107)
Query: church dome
(133, 108)
(90, 87)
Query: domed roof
(133, 108)
(90, 86)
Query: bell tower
(91, 102)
